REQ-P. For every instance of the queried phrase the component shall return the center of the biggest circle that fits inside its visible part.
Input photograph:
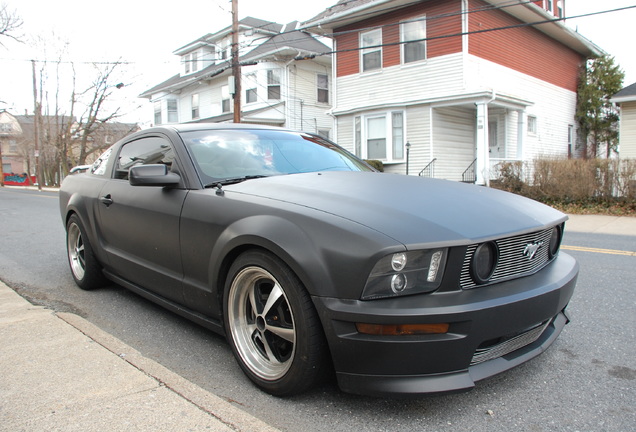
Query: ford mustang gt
(310, 261)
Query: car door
(140, 224)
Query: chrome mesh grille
(508, 346)
(512, 263)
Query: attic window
(194, 58)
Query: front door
(140, 224)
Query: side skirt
(202, 320)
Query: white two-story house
(277, 87)
(465, 83)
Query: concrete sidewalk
(61, 373)
(600, 224)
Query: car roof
(190, 127)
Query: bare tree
(10, 23)
(96, 113)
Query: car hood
(411, 210)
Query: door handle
(106, 200)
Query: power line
(335, 34)
(513, 26)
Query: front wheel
(85, 268)
(272, 325)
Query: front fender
(279, 236)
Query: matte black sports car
(310, 261)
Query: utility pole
(236, 67)
(36, 129)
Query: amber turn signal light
(401, 329)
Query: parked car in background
(309, 260)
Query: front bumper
(479, 319)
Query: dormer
(196, 56)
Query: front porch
(472, 137)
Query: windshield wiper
(234, 180)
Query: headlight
(406, 273)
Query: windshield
(233, 154)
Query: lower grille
(508, 346)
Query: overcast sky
(145, 34)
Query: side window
(151, 150)
(99, 166)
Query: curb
(233, 417)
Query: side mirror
(152, 175)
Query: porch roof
(490, 97)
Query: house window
(186, 62)
(548, 6)
(323, 88)
(157, 107)
(225, 99)
(222, 53)
(273, 84)
(570, 140)
(324, 133)
(532, 125)
(376, 138)
(195, 106)
(560, 9)
(173, 113)
(380, 136)
(195, 62)
(371, 51)
(413, 35)
(250, 95)
(398, 135)
(250, 85)
(13, 146)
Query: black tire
(85, 269)
(272, 325)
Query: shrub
(574, 185)
(375, 164)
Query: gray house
(281, 83)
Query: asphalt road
(585, 382)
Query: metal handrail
(470, 175)
(429, 170)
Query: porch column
(482, 165)
(522, 125)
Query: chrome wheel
(261, 323)
(75, 247)
(85, 268)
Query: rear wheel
(272, 325)
(85, 268)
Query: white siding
(418, 135)
(554, 107)
(453, 138)
(437, 77)
(628, 130)
(345, 132)
(305, 112)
